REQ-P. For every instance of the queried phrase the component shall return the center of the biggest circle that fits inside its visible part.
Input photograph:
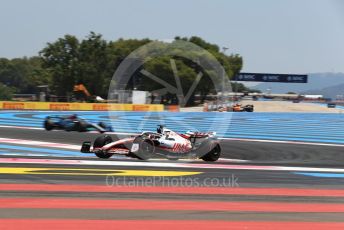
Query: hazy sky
(285, 36)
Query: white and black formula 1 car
(163, 142)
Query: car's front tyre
(100, 142)
(48, 125)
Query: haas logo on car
(177, 147)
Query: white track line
(283, 142)
(181, 164)
(224, 138)
(77, 147)
(168, 165)
(20, 127)
(39, 143)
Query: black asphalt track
(256, 153)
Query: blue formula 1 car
(74, 123)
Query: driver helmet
(74, 116)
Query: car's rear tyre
(69, 127)
(81, 126)
(146, 148)
(100, 142)
(213, 155)
(103, 125)
(48, 125)
(249, 108)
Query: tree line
(93, 61)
